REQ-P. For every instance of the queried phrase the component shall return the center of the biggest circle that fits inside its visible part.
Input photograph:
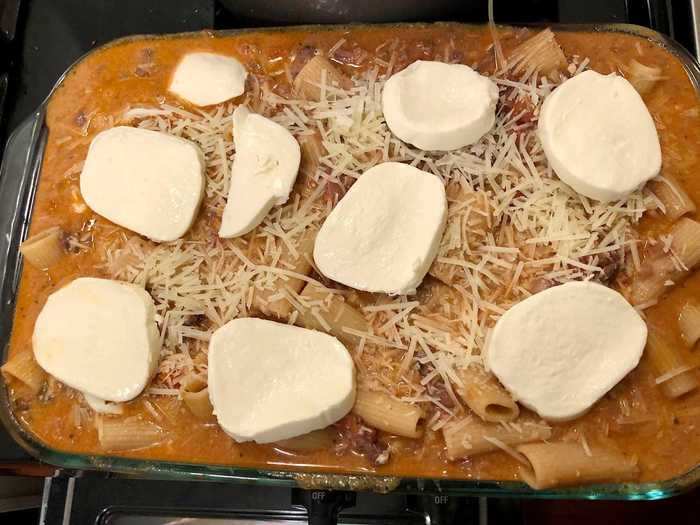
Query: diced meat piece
(357, 438)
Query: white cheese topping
(562, 349)
(599, 136)
(263, 173)
(149, 182)
(99, 337)
(545, 233)
(385, 232)
(270, 381)
(438, 106)
(204, 79)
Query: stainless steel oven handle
(695, 14)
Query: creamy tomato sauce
(665, 436)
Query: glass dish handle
(18, 180)
(695, 22)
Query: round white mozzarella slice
(263, 173)
(562, 349)
(438, 106)
(599, 137)
(100, 337)
(270, 381)
(204, 79)
(149, 182)
(385, 232)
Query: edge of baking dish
(19, 174)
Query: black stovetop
(39, 39)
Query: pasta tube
(686, 242)
(674, 375)
(689, 322)
(44, 249)
(471, 436)
(485, 396)
(672, 195)
(643, 78)
(540, 53)
(281, 308)
(330, 313)
(195, 395)
(311, 152)
(116, 434)
(388, 414)
(468, 217)
(559, 464)
(317, 73)
(24, 368)
(317, 440)
(664, 265)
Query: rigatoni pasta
(561, 464)
(311, 152)
(667, 262)
(268, 300)
(540, 53)
(316, 440)
(319, 74)
(674, 198)
(388, 414)
(44, 249)
(471, 436)
(689, 322)
(133, 433)
(675, 376)
(468, 220)
(330, 312)
(485, 396)
(685, 242)
(23, 367)
(195, 395)
(643, 78)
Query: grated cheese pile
(514, 228)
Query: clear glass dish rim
(17, 196)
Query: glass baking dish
(19, 173)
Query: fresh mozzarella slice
(149, 182)
(99, 337)
(270, 381)
(263, 173)
(204, 79)
(599, 137)
(438, 106)
(562, 349)
(385, 232)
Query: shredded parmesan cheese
(507, 449)
(520, 229)
(672, 373)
